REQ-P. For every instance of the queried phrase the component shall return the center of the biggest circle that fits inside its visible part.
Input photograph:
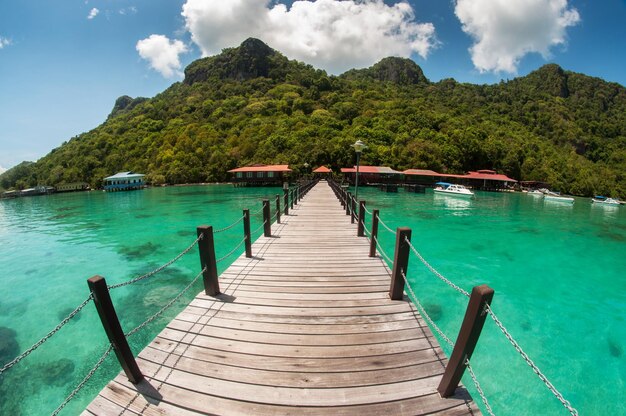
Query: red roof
(371, 169)
(322, 169)
(262, 168)
(421, 172)
(481, 174)
(486, 174)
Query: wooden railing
(208, 264)
(475, 313)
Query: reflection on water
(453, 203)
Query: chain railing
(434, 271)
(84, 381)
(530, 363)
(230, 253)
(381, 222)
(479, 389)
(166, 307)
(381, 251)
(47, 336)
(221, 230)
(259, 227)
(158, 269)
(443, 336)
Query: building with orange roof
(260, 175)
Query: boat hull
(459, 194)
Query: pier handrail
(343, 195)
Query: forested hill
(251, 104)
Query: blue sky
(63, 64)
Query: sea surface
(558, 272)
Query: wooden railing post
(277, 209)
(246, 232)
(348, 196)
(361, 225)
(267, 219)
(113, 329)
(352, 209)
(206, 246)
(400, 263)
(469, 333)
(295, 195)
(374, 235)
(291, 193)
(286, 200)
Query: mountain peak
(401, 71)
(252, 59)
(550, 78)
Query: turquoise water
(557, 271)
(50, 246)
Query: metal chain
(259, 227)
(530, 362)
(164, 308)
(85, 380)
(423, 311)
(380, 221)
(259, 211)
(47, 336)
(445, 338)
(367, 210)
(380, 250)
(231, 251)
(478, 388)
(434, 271)
(157, 270)
(230, 226)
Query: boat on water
(557, 197)
(535, 192)
(446, 188)
(603, 200)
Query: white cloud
(331, 34)
(162, 53)
(93, 13)
(128, 10)
(505, 31)
(4, 42)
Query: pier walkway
(304, 327)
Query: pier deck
(304, 327)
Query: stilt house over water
(124, 181)
(260, 175)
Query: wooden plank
(304, 327)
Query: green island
(251, 104)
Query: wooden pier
(305, 326)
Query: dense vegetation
(252, 105)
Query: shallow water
(557, 271)
(560, 289)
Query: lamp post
(306, 169)
(358, 148)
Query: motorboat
(446, 188)
(557, 197)
(603, 200)
(535, 192)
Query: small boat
(453, 189)
(535, 192)
(603, 200)
(557, 197)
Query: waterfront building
(260, 175)
(124, 181)
(373, 175)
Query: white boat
(445, 188)
(603, 200)
(554, 196)
(535, 192)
